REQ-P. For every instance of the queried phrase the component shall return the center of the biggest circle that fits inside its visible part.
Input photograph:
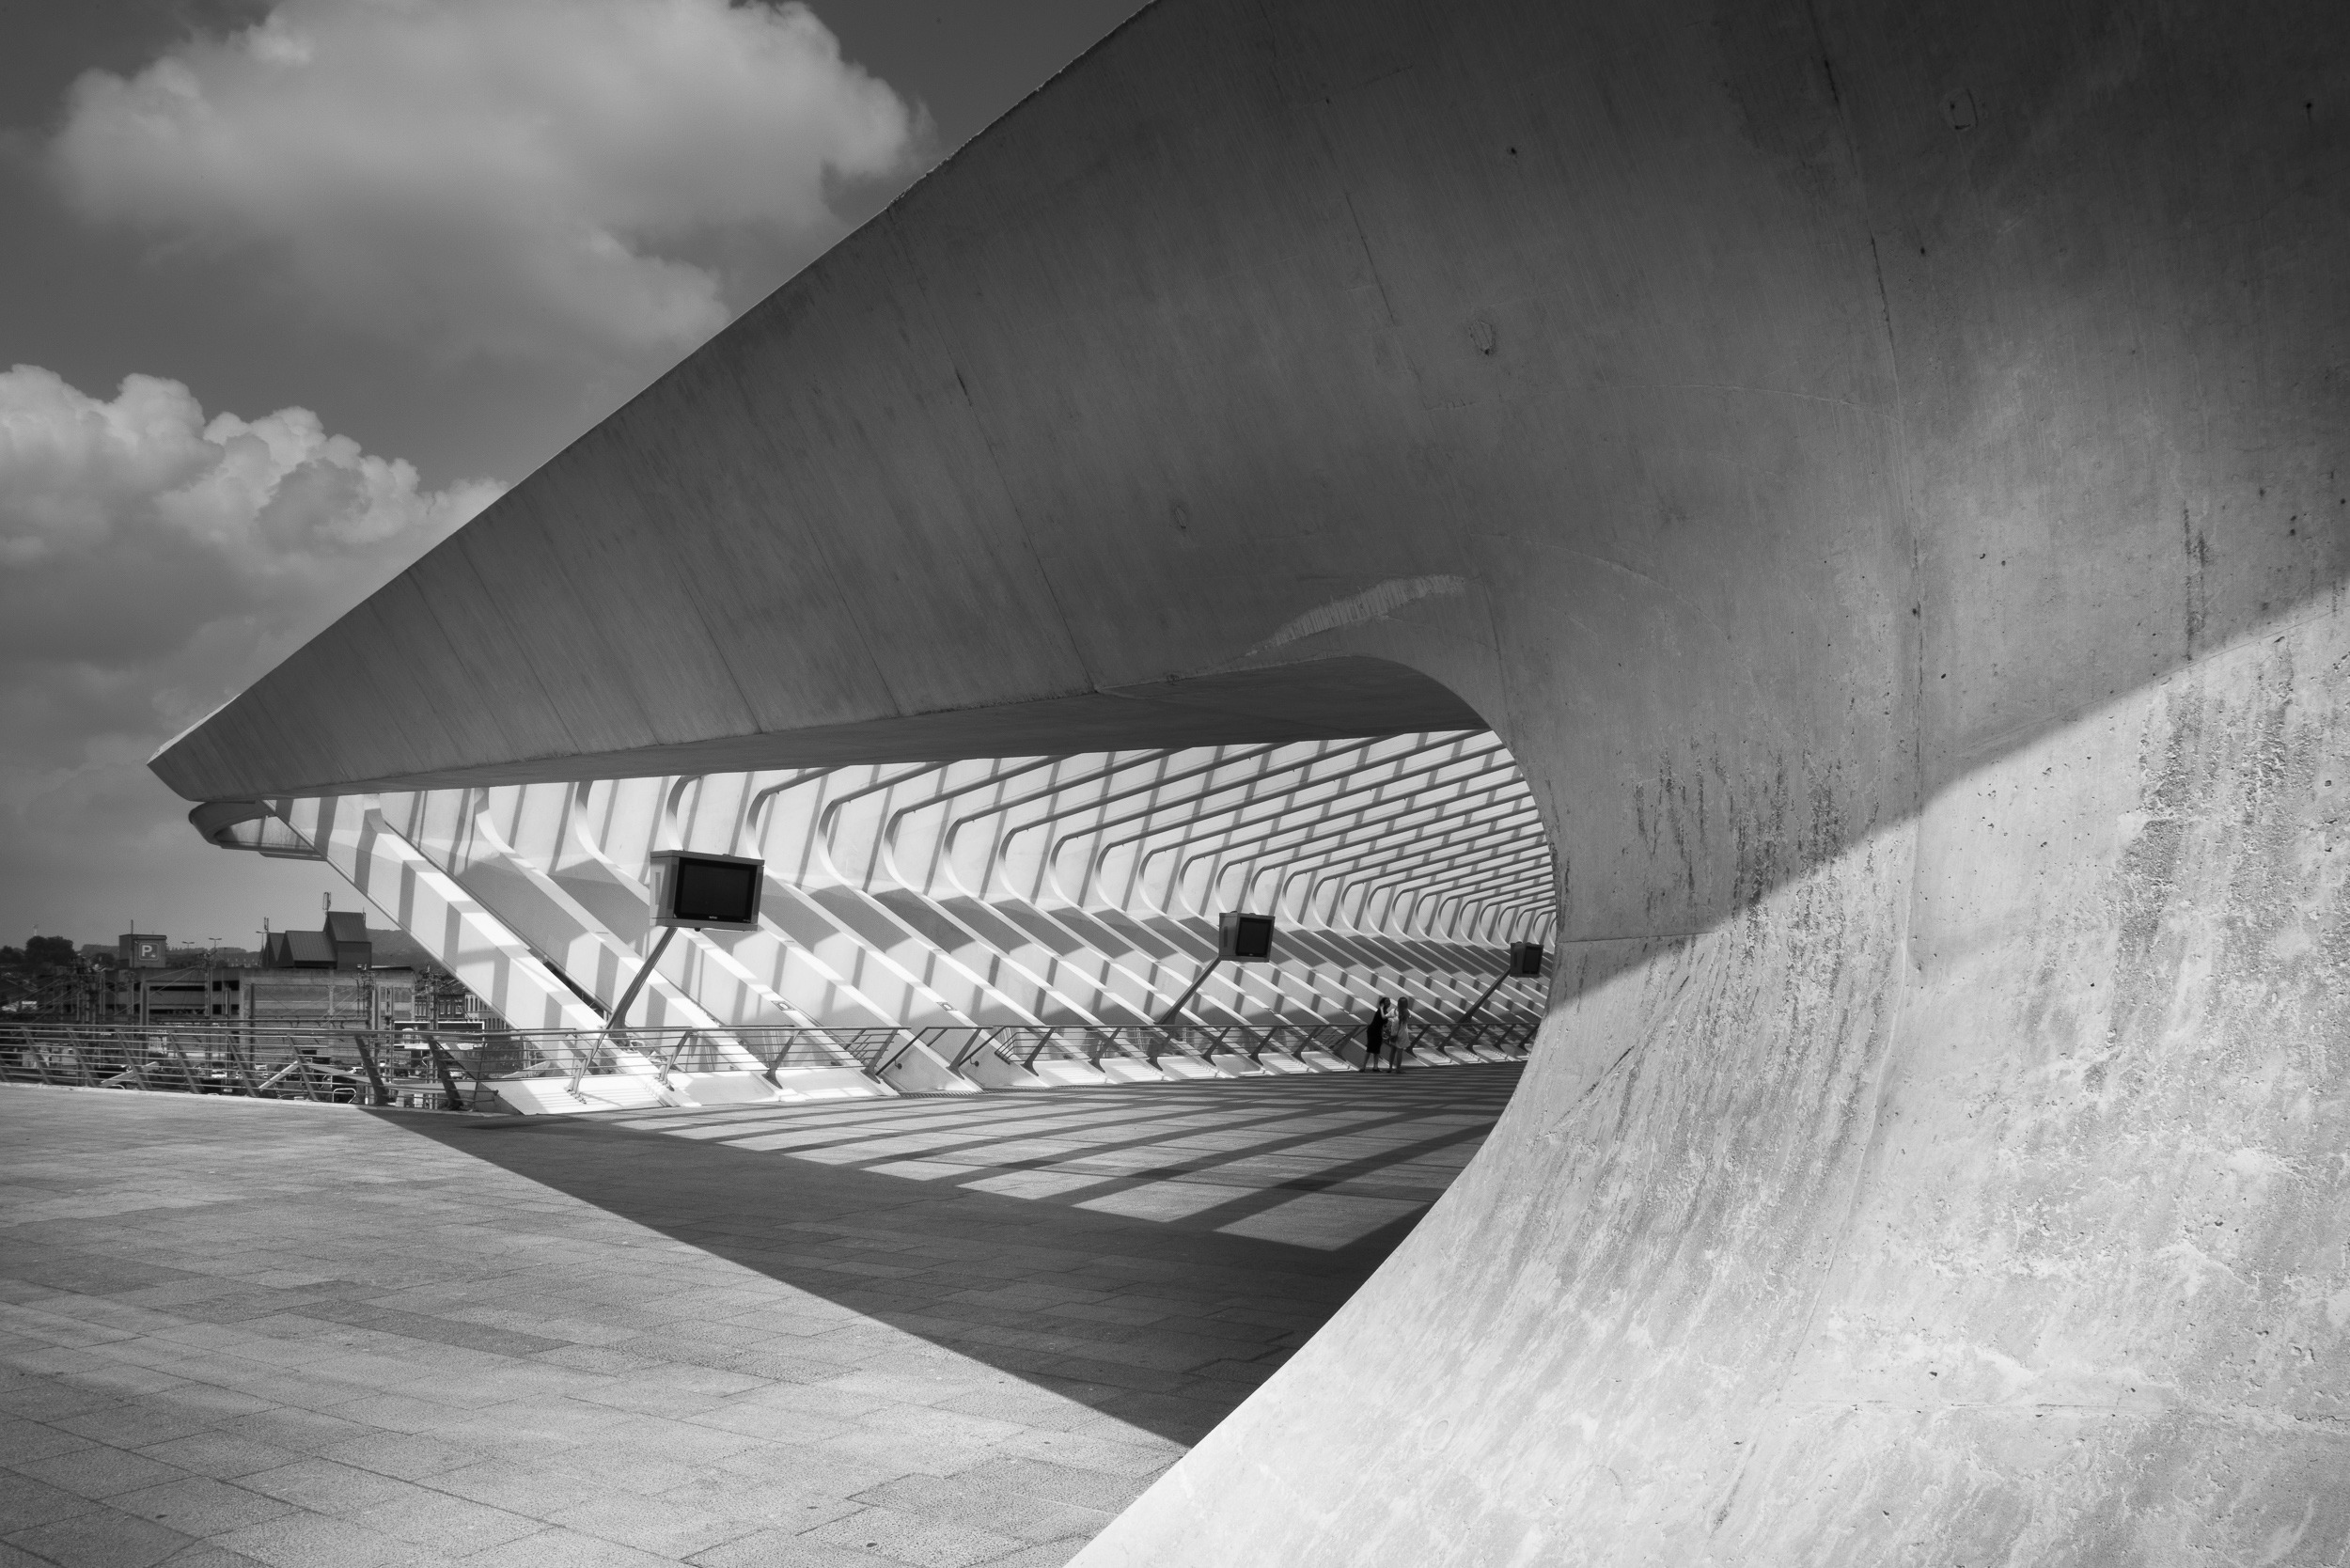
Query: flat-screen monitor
(1244, 937)
(706, 891)
(1526, 959)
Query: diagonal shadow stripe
(1267, 1194)
(1369, 1123)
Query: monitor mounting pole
(1192, 990)
(616, 1023)
(1473, 1007)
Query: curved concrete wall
(1880, 467)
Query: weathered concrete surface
(1949, 1204)
(1881, 467)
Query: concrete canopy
(1882, 469)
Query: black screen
(1526, 959)
(1252, 936)
(717, 891)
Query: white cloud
(153, 563)
(533, 179)
(131, 528)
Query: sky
(291, 289)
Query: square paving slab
(930, 1331)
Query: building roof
(302, 948)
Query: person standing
(1375, 1037)
(1403, 1034)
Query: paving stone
(100, 1472)
(913, 1537)
(653, 1525)
(774, 1549)
(679, 1337)
(455, 1526)
(771, 1422)
(303, 1431)
(1050, 1554)
(966, 1499)
(304, 1540)
(204, 1556)
(24, 1502)
(200, 1399)
(200, 1506)
(221, 1455)
(409, 1456)
(518, 1486)
(21, 1439)
(798, 1503)
(132, 1425)
(564, 1548)
(1081, 1452)
(43, 1399)
(843, 1470)
(1095, 1490)
(558, 1422)
(324, 1486)
(103, 1538)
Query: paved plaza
(932, 1331)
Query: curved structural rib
(1881, 469)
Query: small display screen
(1251, 937)
(717, 891)
(1526, 959)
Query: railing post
(187, 1069)
(1473, 1010)
(244, 1070)
(981, 1038)
(375, 1078)
(883, 1064)
(448, 1078)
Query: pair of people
(1382, 1036)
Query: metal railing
(335, 1065)
(440, 1069)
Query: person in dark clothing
(1375, 1037)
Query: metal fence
(294, 1064)
(431, 1068)
(443, 1069)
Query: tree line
(38, 951)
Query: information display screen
(724, 890)
(1242, 937)
(706, 890)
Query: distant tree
(48, 950)
(11, 958)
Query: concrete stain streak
(1382, 599)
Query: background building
(142, 950)
(320, 978)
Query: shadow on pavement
(1167, 1323)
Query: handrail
(431, 1065)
